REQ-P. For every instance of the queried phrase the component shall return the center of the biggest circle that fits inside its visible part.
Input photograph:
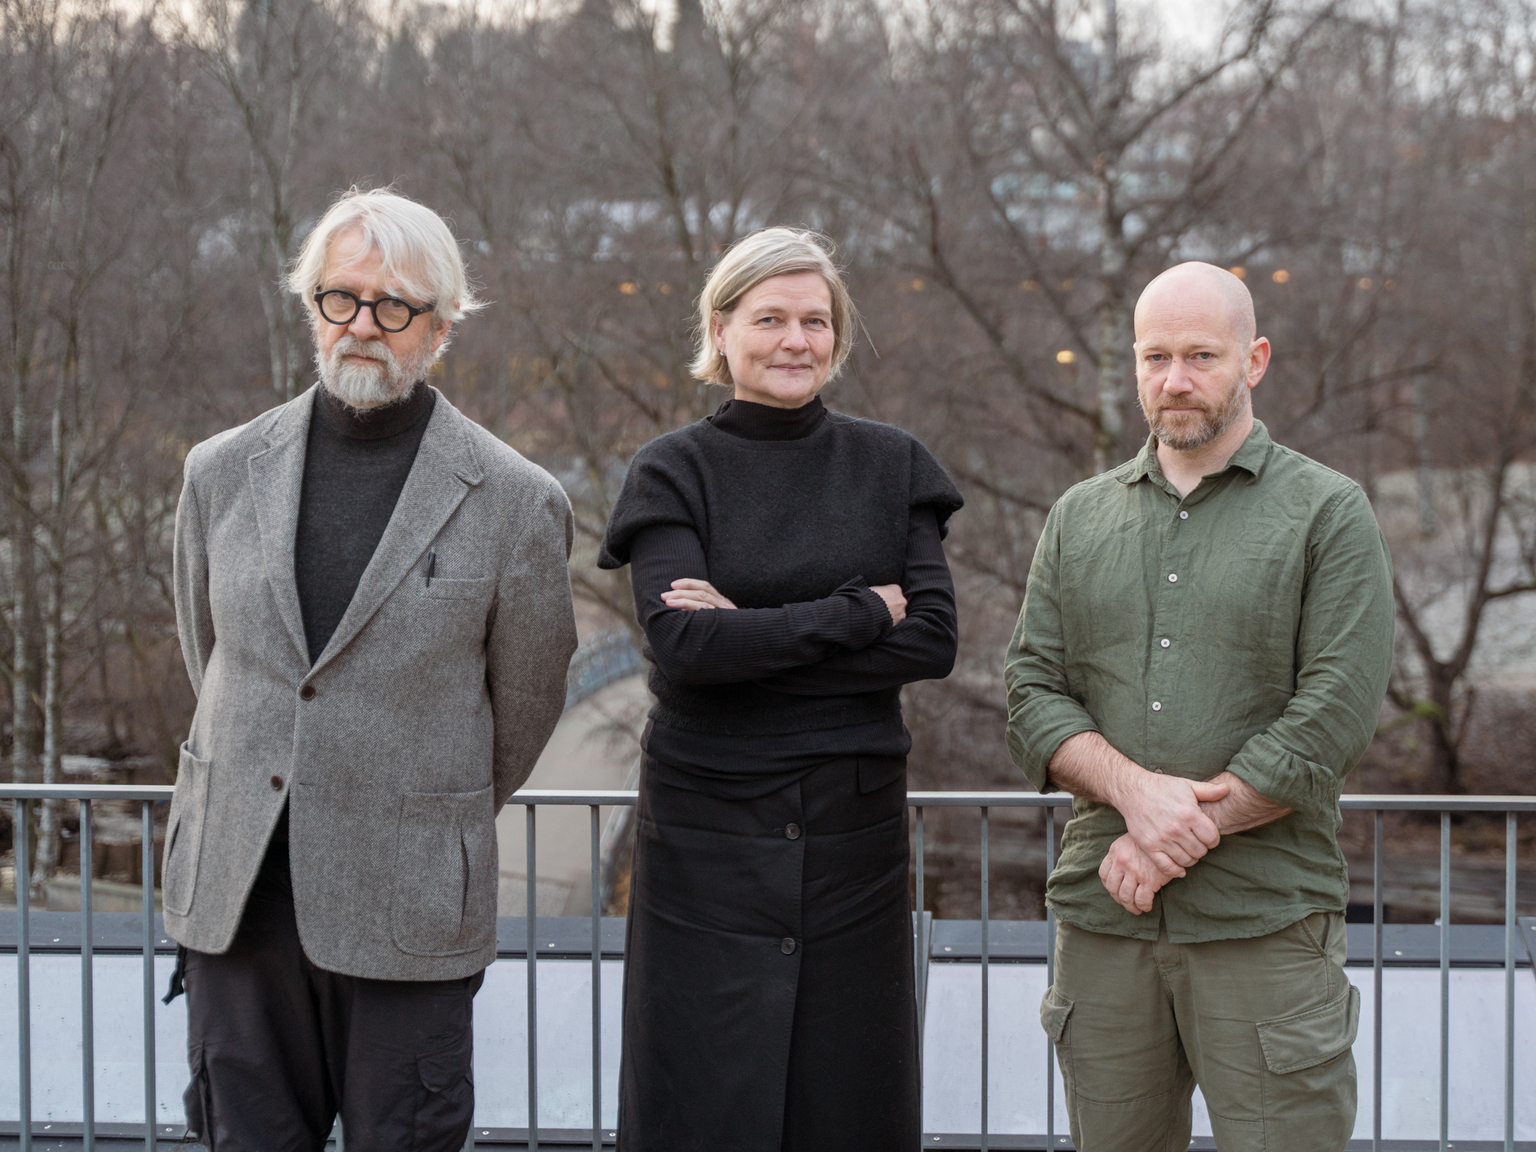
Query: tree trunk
(49, 839)
(1444, 756)
(24, 732)
(1115, 339)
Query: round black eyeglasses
(390, 313)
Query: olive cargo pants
(1264, 1026)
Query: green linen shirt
(1247, 626)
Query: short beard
(375, 385)
(1209, 423)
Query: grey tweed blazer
(395, 751)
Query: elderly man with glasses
(374, 608)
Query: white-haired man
(374, 609)
(1200, 660)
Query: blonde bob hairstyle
(760, 256)
(420, 256)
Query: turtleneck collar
(374, 423)
(752, 421)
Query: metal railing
(25, 795)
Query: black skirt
(768, 996)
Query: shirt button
(1173, 577)
(277, 783)
(792, 832)
(307, 692)
(787, 945)
(1157, 705)
(1164, 643)
(1183, 515)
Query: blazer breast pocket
(476, 589)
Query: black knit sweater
(792, 515)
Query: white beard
(376, 384)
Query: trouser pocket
(1055, 1018)
(1309, 1075)
(447, 1101)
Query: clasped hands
(692, 595)
(1167, 831)
(1170, 824)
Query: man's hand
(1162, 813)
(1243, 807)
(1165, 816)
(693, 595)
(1130, 876)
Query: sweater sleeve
(732, 646)
(921, 647)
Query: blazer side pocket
(443, 897)
(184, 834)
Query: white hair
(421, 258)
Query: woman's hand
(691, 595)
(894, 600)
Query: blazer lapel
(444, 471)
(277, 476)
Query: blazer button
(307, 692)
(792, 832)
(787, 945)
(277, 783)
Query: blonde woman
(789, 576)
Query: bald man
(1200, 661)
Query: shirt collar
(1251, 457)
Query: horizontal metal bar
(85, 792)
(1352, 803)
(573, 796)
(989, 799)
(1384, 803)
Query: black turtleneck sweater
(355, 466)
(791, 514)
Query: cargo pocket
(443, 899)
(184, 834)
(447, 1098)
(1055, 1011)
(1307, 1039)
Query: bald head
(1197, 358)
(1199, 294)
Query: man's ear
(440, 330)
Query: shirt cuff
(1283, 777)
(1038, 729)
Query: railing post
(1511, 849)
(597, 991)
(22, 813)
(87, 989)
(919, 977)
(1378, 871)
(148, 858)
(1445, 980)
(533, 988)
(1050, 978)
(985, 961)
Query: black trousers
(278, 1047)
(768, 998)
